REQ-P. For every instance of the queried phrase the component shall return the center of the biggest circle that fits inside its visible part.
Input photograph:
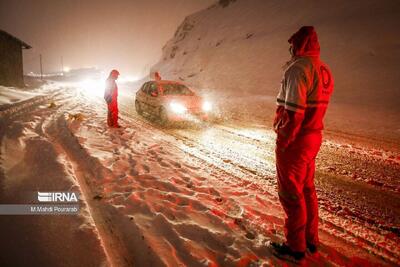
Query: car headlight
(177, 108)
(207, 106)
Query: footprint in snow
(145, 168)
(176, 164)
(133, 172)
(131, 161)
(162, 163)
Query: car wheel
(163, 116)
(138, 108)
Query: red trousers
(295, 170)
(112, 118)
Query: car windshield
(176, 89)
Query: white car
(171, 101)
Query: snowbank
(9, 95)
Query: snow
(241, 49)
(189, 195)
(206, 195)
(195, 197)
(30, 162)
(9, 95)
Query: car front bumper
(188, 116)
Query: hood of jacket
(305, 42)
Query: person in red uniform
(303, 99)
(111, 97)
(157, 76)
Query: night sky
(122, 34)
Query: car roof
(161, 82)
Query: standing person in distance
(111, 97)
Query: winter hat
(305, 42)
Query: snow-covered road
(194, 196)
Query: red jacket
(305, 90)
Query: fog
(127, 35)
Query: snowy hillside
(242, 47)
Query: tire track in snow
(373, 241)
(108, 221)
(331, 223)
(41, 164)
(250, 171)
